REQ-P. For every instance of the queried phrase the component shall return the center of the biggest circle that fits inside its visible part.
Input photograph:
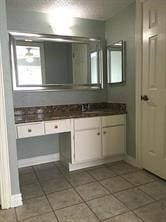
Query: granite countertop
(48, 113)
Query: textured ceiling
(89, 9)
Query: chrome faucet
(83, 107)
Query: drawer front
(58, 126)
(87, 123)
(30, 130)
(113, 120)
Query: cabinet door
(113, 140)
(87, 145)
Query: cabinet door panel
(113, 140)
(87, 145)
(87, 123)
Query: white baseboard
(81, 165)
(130, 160)
(38, 160)
(16, 200)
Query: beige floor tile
(91, 191)
(31, 191)
(45, 166)
(123, 168)
(127, 217)
(49, 174)
(116, 184)
(33, 207)
(106, 207)
(55, 185)
(155, 212)
(25, 170)
(149, 174)
(109, 164)
(27, 178)
(66, 172)
(138, 178)
(77, 213)
(77, 179)
(133, 198)
(49, 217)
(64, 199)
(101, 173)
(156, 189)
(7, 215)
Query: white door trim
(138, 40)
(5, 183)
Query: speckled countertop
(46, 113)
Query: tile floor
(114, 192)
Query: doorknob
(145, 98)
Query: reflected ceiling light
(61, 20)
(92, 39)
(28, 40)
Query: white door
(87, 145)
(154, 87)
(113, 140)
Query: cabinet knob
(98, 134)
(29, 130)
(104, 132)
(55, 126)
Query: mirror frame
(14, 36)
(109, 47)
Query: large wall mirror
(116, 63)
(48, 62)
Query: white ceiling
(89, 9)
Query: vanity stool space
(85, 139)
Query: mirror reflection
(57, 63)
(115, 62)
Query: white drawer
(87, 123)
(58, 126)
(113, 120)
(30, 130)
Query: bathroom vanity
(86, 138)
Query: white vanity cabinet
(30, 130)
(113, 135)
(87, 139)
(58, 126)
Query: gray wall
(8, 100)
(58, 63)
(122, 27)
(37, 146)
(24, 21)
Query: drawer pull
(55, 126)
(29, 130)
(98, 134)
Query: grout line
(132, 210)
(16, 214)
(121, 214)
(85, 201)
(46, 197)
